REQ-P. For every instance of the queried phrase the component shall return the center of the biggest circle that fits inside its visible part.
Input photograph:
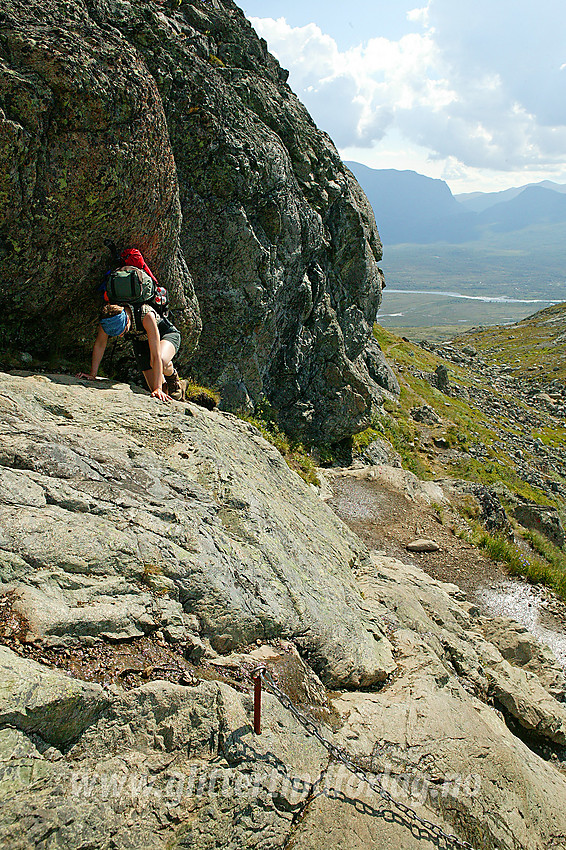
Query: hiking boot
(174, 387)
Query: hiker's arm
(154, 341)
(97, 353)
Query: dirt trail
(386, 519)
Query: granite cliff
(174, 129)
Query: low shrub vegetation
(474, 451)
(543, 564)
(465, 426)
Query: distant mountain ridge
(411, 207)
(480, 201)
(414, 209)
(533, 205)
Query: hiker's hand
(159, 394)
(89, 377)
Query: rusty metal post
(257, 705)
(256, 676)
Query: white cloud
(420, 16)
(479, 87)
(355, 94)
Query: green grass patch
(403, 435)
(534, 566)
(464, 425)
(493, 472)
(554, 437)
(552, 554)
(532, 346)
(361, 441)
(202, 396)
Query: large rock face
(224, 525)
(118, 117)
(133, 533)
(84, 155)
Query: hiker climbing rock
(155, 342)
(141, 316)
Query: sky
(472, 93)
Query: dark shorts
(142, 353)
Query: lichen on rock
(85, 155)
(175, 130)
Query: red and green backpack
(134, 283)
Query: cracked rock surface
(124, 522)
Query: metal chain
(346, 759)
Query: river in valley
(437, 308)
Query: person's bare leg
(167, 355)
(167, 351)
(174, 386)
